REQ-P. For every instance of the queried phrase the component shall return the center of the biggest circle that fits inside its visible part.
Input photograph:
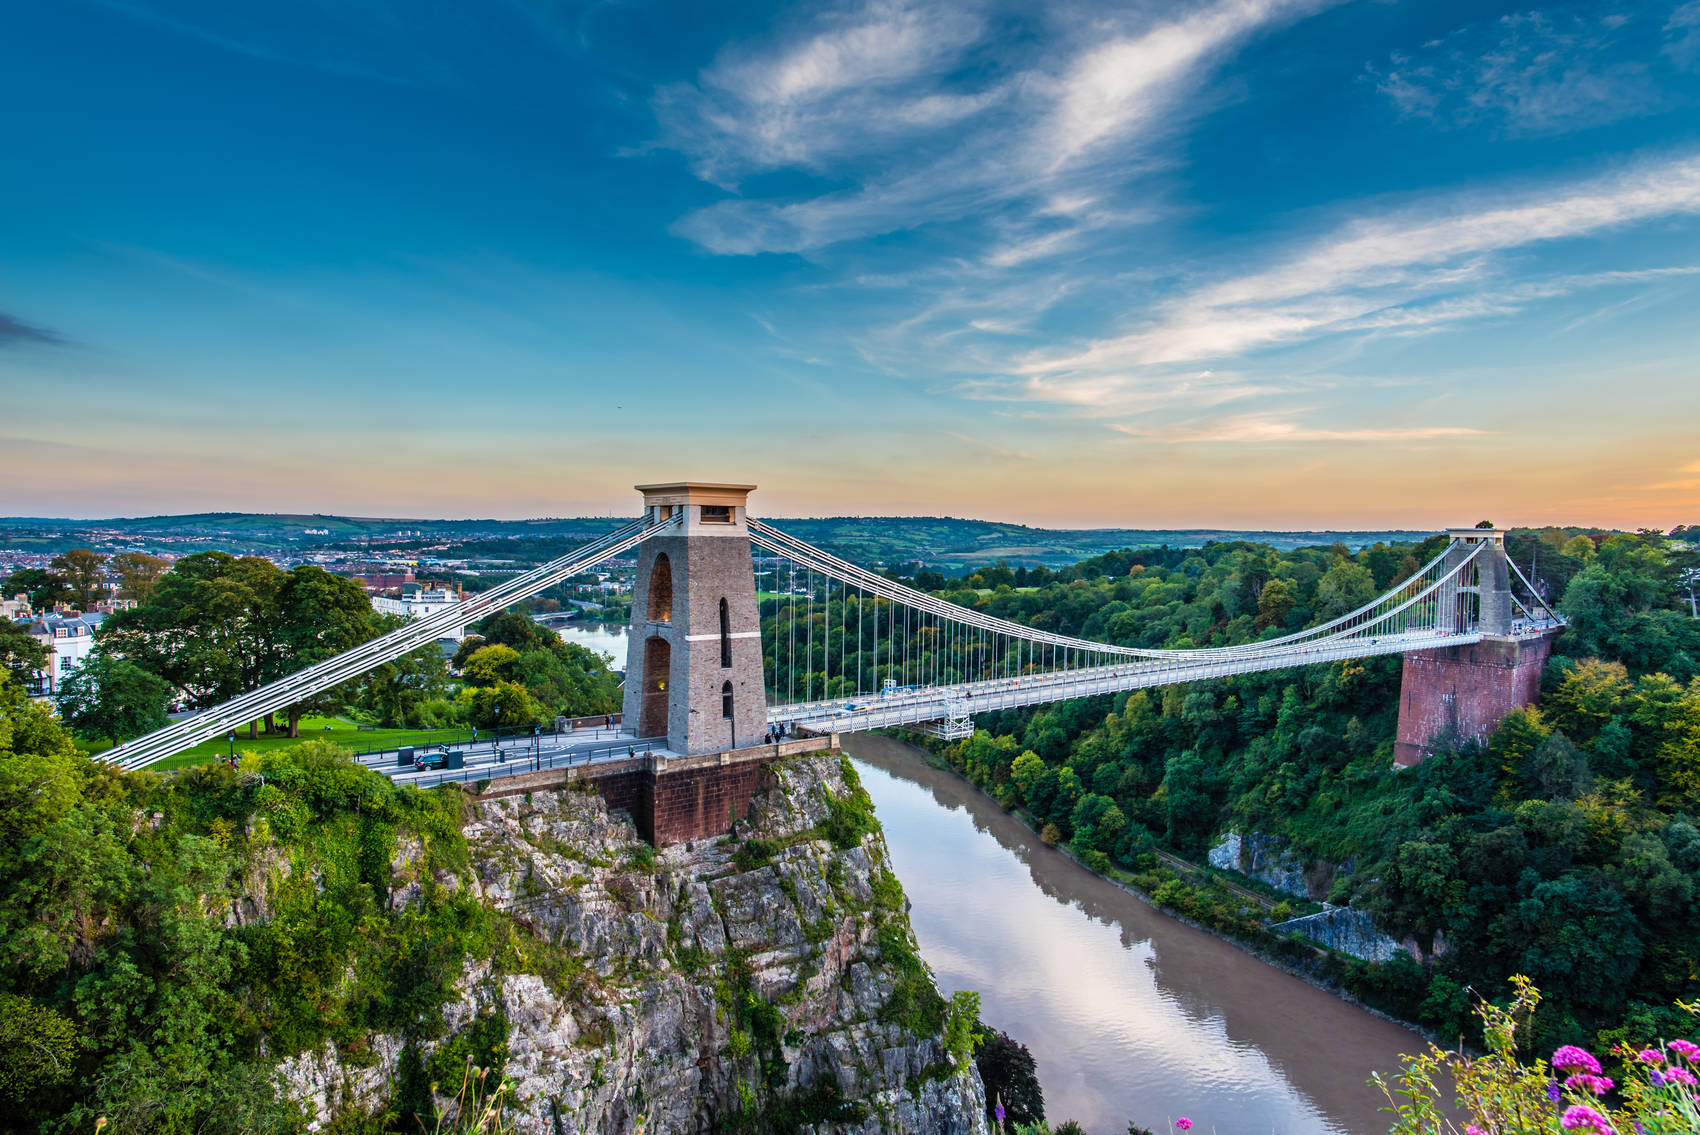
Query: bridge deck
(936, 703)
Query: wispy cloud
(1682, 34)
(1047, 132)
(1424, 268)
(1283, 428)
(15, 332)
(1534, 73)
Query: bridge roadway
(913, 706)
(514, 755)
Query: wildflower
(1585, 1118)
(1650, 1056)
(1184, 1123)
(1686, 1048)
(1679, 1076)
(1553, 1094)
(1571, 1057)
(1587, 1081)
(1474, 1130)
(1655, 1079)
(998, 1111)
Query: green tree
(1580, 548)
(80, 568)
(1274, 604)
(1191, 816)
(316, 616)
(109, 697)
(138, 574)
(396, 690)
(41, 587)
(20, 653)
(209, 628)
(517, 709)
(490, 664)
(1346, 587)
(1026, 773)
(38, 1048)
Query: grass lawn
(312, 729)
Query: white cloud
(860, 81)
(1530, 73)
(1392, 272)
(1124, 83)
(1273, 428)
(873, 97)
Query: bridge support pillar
(1461, 693)
(693, 661)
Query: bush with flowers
(1654, 1092)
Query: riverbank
(1163, 889)
(1132, 1013)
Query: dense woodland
(1566, 848)
(127, 992)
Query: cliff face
(768, 984)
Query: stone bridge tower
(1461, 693)
(693, 661)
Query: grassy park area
(333, 729)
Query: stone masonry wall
(671, 800)
(1463, 692)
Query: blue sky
(1251, 262)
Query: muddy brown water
(1131, 1015)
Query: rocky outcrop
(1348, 931)
(762, 984)
(1267, 860)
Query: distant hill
(939, 542)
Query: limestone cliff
(763, 984)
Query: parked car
(431, 760)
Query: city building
(68, 639)
(418, 602)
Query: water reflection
(1130, 1014)
(604, 638)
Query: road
(514, 755)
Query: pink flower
(1650, 1056)
(1474, 1130)
(1587, 1081)
(1184, 1123)
(1577, 1058)
(1587, 1118)
(1686, 1048)
(1679, 1076)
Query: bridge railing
(188, 732)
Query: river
(1131, 1015)
(604, 638)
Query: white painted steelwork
(191, 731)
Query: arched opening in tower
(657, 665)
(661, 590)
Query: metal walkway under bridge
(842, 649)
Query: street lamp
(232, 736)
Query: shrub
(1011, 1077)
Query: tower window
(661, 590)
(717, 514)
(725, 635)
(726, 700)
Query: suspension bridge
(828, 647)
